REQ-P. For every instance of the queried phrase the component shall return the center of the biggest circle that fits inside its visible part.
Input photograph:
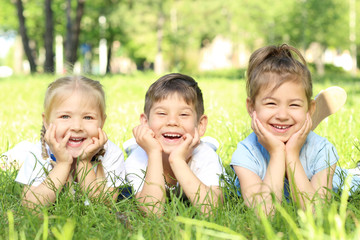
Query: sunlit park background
(127, 45)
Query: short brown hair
(277, 62)
(171, 83)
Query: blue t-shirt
(316, 155)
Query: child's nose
(282, 113)
(76, 125)
(172, 121)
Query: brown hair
(64, 87)
(277, 64)
(171, 83)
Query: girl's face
(283, 111)
(79, 115)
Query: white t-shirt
(205, 164)
(34, 168)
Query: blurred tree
(178, 29)
(73, 32)
(112, 29)
(322, 22)
(24, 35)
(49, 38)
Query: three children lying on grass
(281, 156)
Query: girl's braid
(44, 153)
(99, 154)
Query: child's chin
(284, 139)
(75, 153)
(168, 149)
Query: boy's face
(79, 116)
(171, 118)
(283, 111)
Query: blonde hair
(171, 83)
(64, 87)
(277, 64)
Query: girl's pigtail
(44, 153)
(100, 153)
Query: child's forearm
(45, 193)
(256, 191)
(152, 194)
(197, 192)
(301, 187)
(273, 183)
(94, 184)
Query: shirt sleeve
(114, 165)
(326, 157)
(34, 168)
(207, 165)
(247, 156)
(135, 166)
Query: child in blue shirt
(283, 154)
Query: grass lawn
(20, 119)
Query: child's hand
(145, 137)
(186, 148)
(58, 148)
(92, 147)
(297, 140)
(266, 138)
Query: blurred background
(125, 36)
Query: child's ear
(44, 121)
(203, 121)
(143, 118)
(312, 107)
(250, 106)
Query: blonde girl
(73, 146)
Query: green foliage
(20, 114)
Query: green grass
(20, 119)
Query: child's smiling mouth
(75, 141)
(172, 136)
(280, 128)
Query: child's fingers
(305, 129)
(50, 136)
(65, 140)
(196, 139)
(257, 126)
(47, 133)
(309, 120)
(102, 137)
(188, 140)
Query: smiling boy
(171, 155)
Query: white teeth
(75, 139)
(172, 135)
(280, 127)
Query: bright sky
(5, 43)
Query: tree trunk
(49, 38)
(73, 32)
(108, 65)
(159, 63)
(24, 36)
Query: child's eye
(295, 105)
(88, 118)
(65, 116)
(184, 114)
(161, 113)
(270, 103)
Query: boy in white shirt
(171, 154)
